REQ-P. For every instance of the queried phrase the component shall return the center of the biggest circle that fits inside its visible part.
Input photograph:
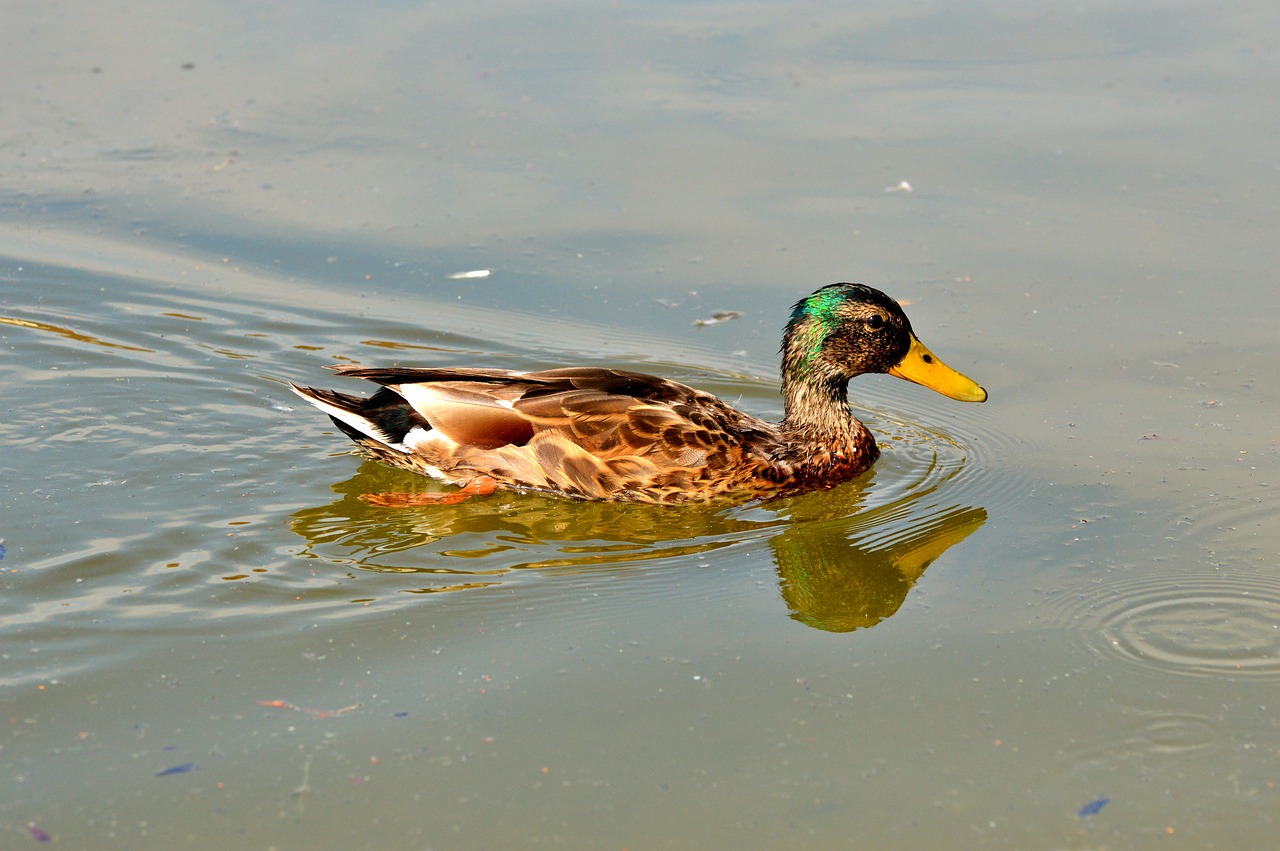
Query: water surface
(1048, 621)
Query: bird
(595, 433)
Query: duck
(595, 433)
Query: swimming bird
(609, 434)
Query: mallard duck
(608, 434)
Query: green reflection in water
(843, 560)
(840, 570)
(504, 532)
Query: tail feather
(353, 415)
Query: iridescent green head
(845, 330)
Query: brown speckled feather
(584, 432)
(596, 433)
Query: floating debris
(182, 768)
(901, 187)
(313, 713)
(474, 273)
(720, 316)
(2, 549)
(1093, 808)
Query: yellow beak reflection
(923, 367)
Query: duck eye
(875, 321)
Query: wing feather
(585, 431)
(467, 416)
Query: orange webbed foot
(479, 486)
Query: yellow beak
(921, 366)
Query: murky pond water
(1049, 621)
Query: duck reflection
(842, 563)
(843, 566)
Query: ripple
(1201, 633)
(1217, 624)
(1173, 734)
(989, 476)
(181, 383)
(1242, 511)
(1146, 734)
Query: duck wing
(586, 431)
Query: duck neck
(824, 438)
(818, 410)
(824, 441)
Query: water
(1066, 595)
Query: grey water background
(1052, 621)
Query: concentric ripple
(969, 444)
(1201, 633)
(1215, 625)
(1146, 734)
